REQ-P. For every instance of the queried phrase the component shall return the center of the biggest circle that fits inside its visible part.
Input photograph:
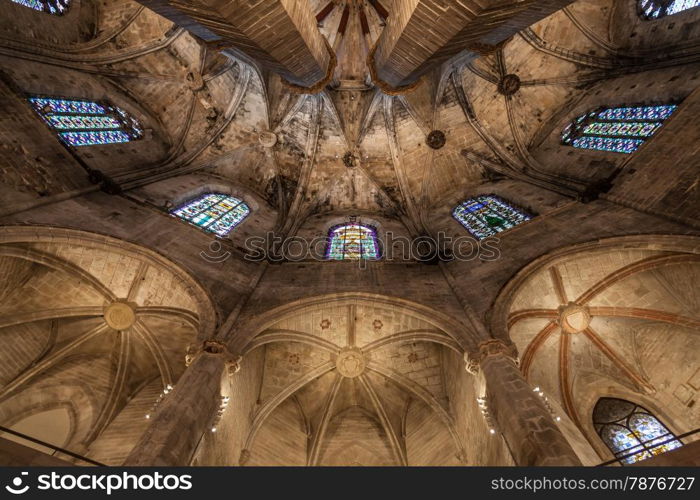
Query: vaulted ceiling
(347, 384)
(352, 383)
(501, 113)
(86, 324)
(609, 321)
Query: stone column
(187, 412)
(518, 413)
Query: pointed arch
(630, 431)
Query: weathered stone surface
(405, 52)
(182, 418)
(532, 435)
(280, 34)
(231, 125)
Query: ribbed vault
(348, 379)
(619, 317)
(85, 312)
(501, 113)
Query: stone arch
(55, 426)
(576, 378)
(374, 379)
(441, 321)
(40, 234)
(167, 309)
(596, 392)
(215, 185)
(81, 405)
(498, 320)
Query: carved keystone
(351, 362)
(120, 315)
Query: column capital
(487, 349)
(213, 347)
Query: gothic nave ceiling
(500, 113)
(101, 325)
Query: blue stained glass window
(215, 212)
(55, 7)
(488, 215)
(618, 130)
(630, 431)
(655, 9)
(352, 241)
(87, 123)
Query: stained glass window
(487, 215)
(619, 130)
(654, 9)
(56, 7)
(630, 431)
(87, 123)
(215, 212)
(352, 241)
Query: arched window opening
(655, 9)
(630, 431)
(488, 215)
(618, 130)
(87, 123)
(55, 7)
(352, 241)
(214, 212)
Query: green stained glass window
(488, 215)
(214, 212)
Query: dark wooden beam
(363, 21)
(279, 35)
(344, 20)
(404, 52)
(383, 13)
(324, 13)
